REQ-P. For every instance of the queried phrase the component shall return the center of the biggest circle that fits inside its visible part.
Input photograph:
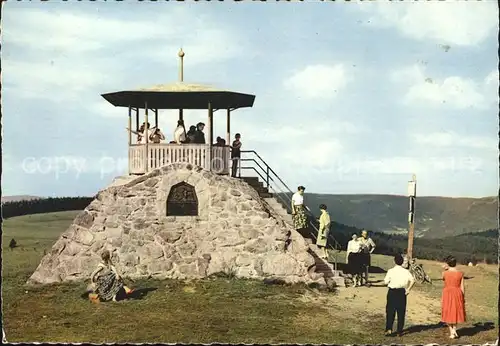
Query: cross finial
(181, 70)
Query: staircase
(322, 269)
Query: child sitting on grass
(107, 283)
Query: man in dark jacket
(200, 136)
(235, 154)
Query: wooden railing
(159, 155)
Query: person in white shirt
(298, 209)
(180, 132)
(400, 282)
(354, 260)
(367, 248)
(143, 131)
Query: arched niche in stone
(182, 200)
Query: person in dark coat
(235, 154)
(199, 137)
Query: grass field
(223, 310)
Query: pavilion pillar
(146, 136)
(228, 127)
(129, 135)
(156, 117)
(129, 125)
(181, 78)
(137, 119)
(210, 134)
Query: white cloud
(59, 55)
(314, 154)
(452, 139)
(454, 91)
(462, 23)
(318, 81)
(421, 166)
(491, 79)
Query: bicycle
(418, 272)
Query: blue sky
(350, 97)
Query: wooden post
(412, 192)
(146, 136)
(156, 117)
(210, 134)
(129, 136)
(137, 119)
(228, 127)
(129, 125)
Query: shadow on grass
(476, 328)
(376, 270)
(137, 294)
(376, 283)
(423, 327)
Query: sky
(351, 98)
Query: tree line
(44, 205)
(470, 247)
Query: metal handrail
(253, 168)
(269, 177)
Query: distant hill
(436, 217)
(18, 198)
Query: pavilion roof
(180, 95)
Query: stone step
(336, 281)
(276, 206)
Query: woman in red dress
(453, 301)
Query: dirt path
(367, 302)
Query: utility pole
(412, 194)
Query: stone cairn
(234, 232)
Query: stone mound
(232, 230)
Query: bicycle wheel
(419, 274)
(423, 274)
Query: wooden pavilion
(146, 156)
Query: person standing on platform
(235, 154)
(400, 282)
(191, 135)
(199, 137)
(180, 133)
(367, 248)
(324, 229)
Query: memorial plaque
(182, 200)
